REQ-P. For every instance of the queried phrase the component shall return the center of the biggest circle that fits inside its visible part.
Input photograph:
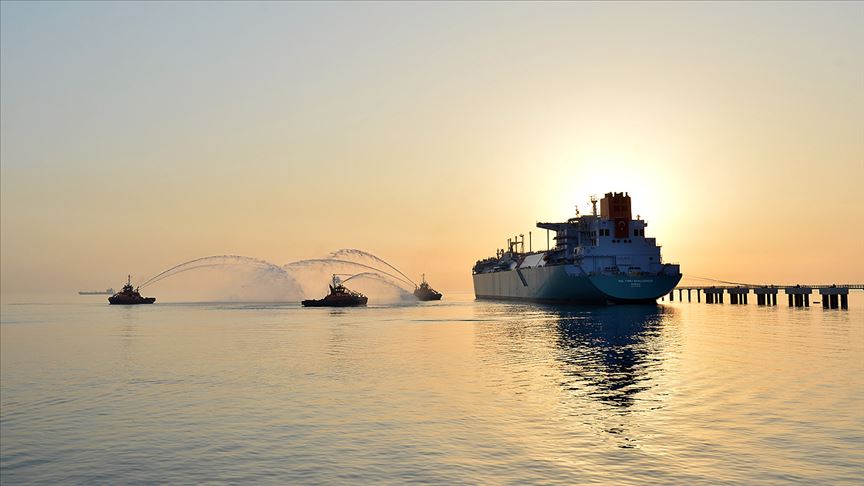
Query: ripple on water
(463, 392)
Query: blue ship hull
(569, 284)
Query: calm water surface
(451, 392)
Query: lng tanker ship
(597, 258)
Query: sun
(594, 174)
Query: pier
(834, 296)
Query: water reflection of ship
(615, 351)
(603, 366)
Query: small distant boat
(129, 296)
(425, 292)
(339, 296)
(107, 291)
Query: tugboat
(339, 296)
(425, 292)
(129, 296)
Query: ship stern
(636, 289)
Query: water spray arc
(215, 261)
(335, 261)
(354, 252)
(292, 278)
(378, 277)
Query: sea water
(450, 392)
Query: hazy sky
(136, 136)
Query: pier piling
(766, 295)
(738, 295)
(834, 297)
(799, 296)
(713, 295)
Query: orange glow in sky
(136, 136)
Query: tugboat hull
(121, 301)
(129, 296)
(427, 296)
(339, 296)
(334, 303)
(425, 292)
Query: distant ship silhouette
(108, 291)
